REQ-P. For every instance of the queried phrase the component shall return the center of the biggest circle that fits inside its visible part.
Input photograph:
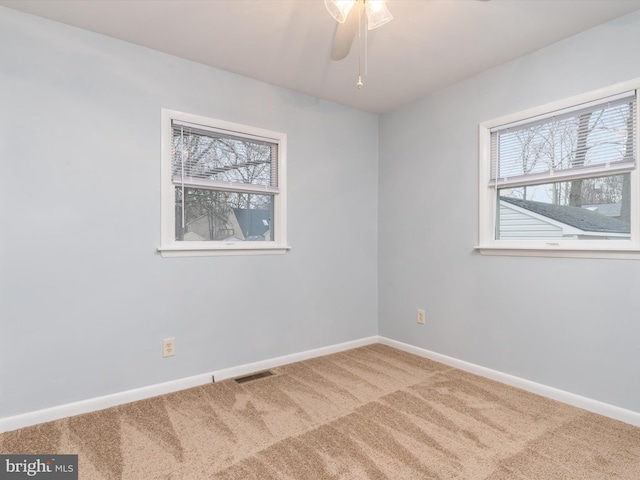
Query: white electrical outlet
(421, 316)
(168, 347)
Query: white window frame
(489, 245)
(169, 246)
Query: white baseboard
(107, 401)
(595, 406)
(99, 403)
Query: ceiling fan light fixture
(369, 14)
(377, 13)
(339, 9)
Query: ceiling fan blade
(345, 33)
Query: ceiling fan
(355, 16)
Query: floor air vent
(254, 376)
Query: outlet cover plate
(168, 347)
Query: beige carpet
(369, 413)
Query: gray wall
(84, 298)
(567, 323)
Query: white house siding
(517, 225)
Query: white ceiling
(430, 43)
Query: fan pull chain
(360, 9)
(365, 28)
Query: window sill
(221, 250)
(629, 253)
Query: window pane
(223, 216)
(229, 159)
(585, 209)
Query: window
(223, 187)
(561, 180)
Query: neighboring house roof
(253, 222)
(577, 217)
(608, 209)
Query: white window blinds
(594, 138)
(216, 159)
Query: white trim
(554, 249)
(226, 248)
(595, 406)
(107, 401)
(233, 372)
(115, 399)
